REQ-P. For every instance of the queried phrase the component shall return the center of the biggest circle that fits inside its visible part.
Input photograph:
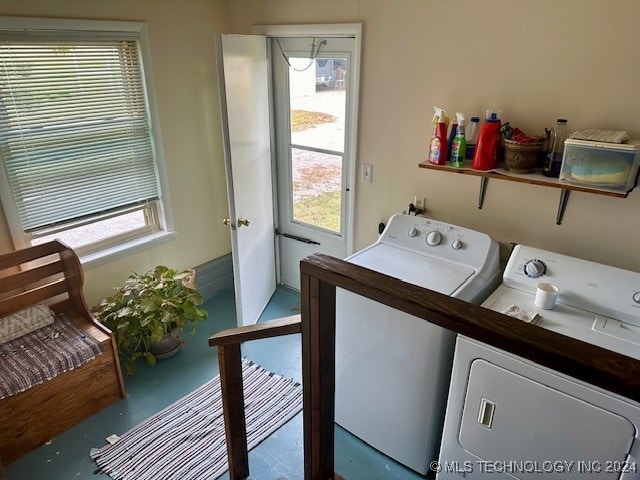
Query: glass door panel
(317, 99)
(317, 111)
(316, 188)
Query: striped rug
(186, 440)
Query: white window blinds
(75, 134)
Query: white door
(244, 98)
(313, 81)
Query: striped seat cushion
(41, 355)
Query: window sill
(127, 248)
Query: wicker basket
(521, 157)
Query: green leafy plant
(147, 307)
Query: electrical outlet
(420, 202)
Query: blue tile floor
(151, 389)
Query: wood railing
(230, 361)
(320, 275)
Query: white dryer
(393, 369)
(508, 417)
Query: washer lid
(413, 268)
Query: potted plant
(149, 312)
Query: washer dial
(535, 268)
(434, 238)
(413, 231)
(456, 244)
(636, 297)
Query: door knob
(226, 221)
(243, 221)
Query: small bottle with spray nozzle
(452, 134)
(438, 144)
(459, 148)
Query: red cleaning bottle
(485, 157)
(438, 144)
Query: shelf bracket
(564, 197)
(484, 181)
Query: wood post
(318, 376)
(230, 362)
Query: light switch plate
(367, 173)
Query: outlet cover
(420, 202)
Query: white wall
(181, 36)
(536, 60)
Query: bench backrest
(49, 273)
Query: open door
(244, 100)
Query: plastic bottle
(452, 135)
(438, 145)
(553, 162)
(471, 136)
(459, 148)
(485, 157)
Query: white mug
(546, 295)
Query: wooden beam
(273, 328)
(603, 368)
(230, 362)
(318, 376)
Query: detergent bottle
(471, 136)
(485, 157)
(438, 144)
(459, 148)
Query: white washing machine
(393, 369)
(508, 417)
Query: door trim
(348, 30)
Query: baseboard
(214, 276)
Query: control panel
(595, 287)
(440, 239)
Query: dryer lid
(410, 267)
(519, 423)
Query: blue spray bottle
(459, 146)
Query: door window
(314, 108)
(317, 114)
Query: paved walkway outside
(315, 174)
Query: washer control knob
(457, 244)
(413, 231)
(434, 238)
(535, 268)
(636, 297)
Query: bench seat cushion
(41, 355)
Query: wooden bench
(51, 273)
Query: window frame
(101, 251)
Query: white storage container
(611, 166)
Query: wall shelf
(534, 178)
